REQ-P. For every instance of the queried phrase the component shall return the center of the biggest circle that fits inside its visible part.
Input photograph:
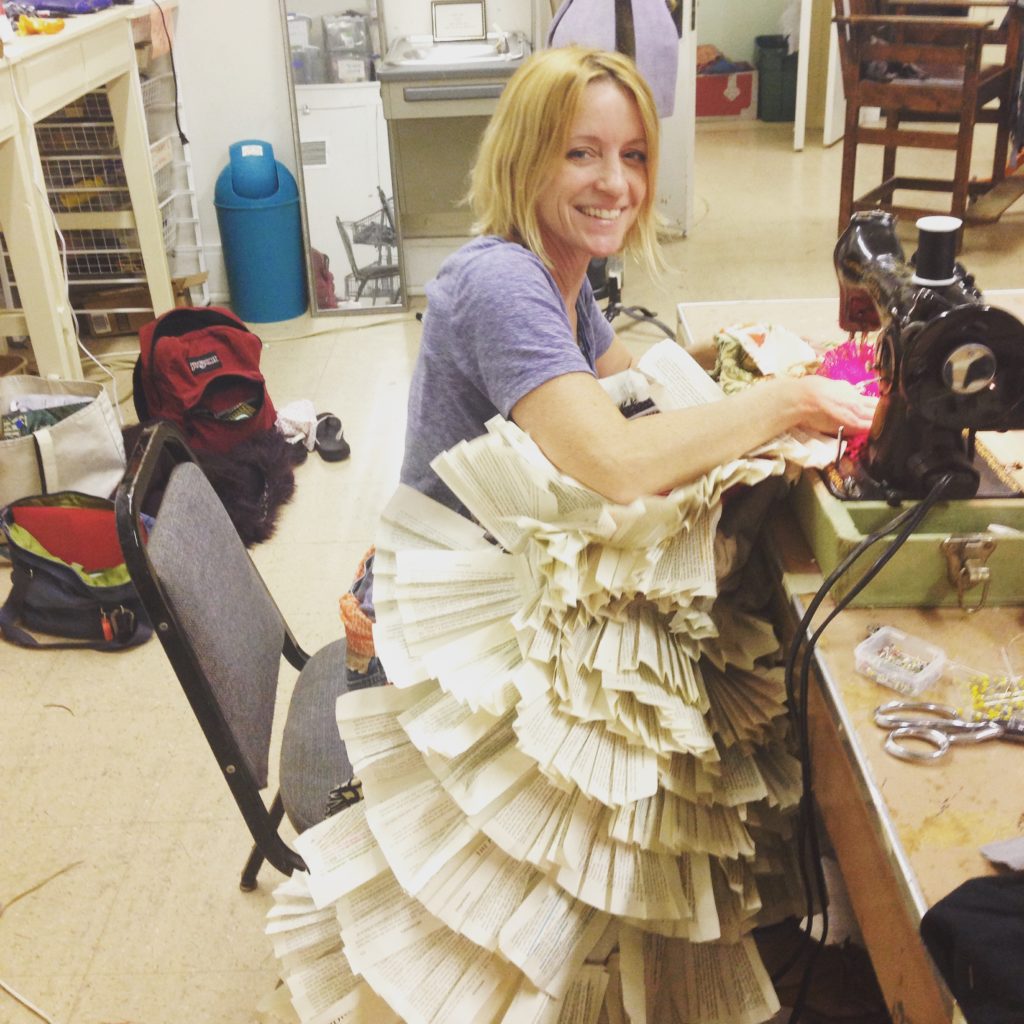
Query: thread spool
(935, 259)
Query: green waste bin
(776, 79)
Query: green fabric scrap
(734, 369)
(22, 424)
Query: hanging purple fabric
(641, 29)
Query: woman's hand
(826, 405)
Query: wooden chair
(919, 68)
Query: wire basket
(92, 106)
(376, 288)
(8, 288)
(98, 255)
(158, 91)
(86, 184)
(376, 230)
(161, 153)
(165, 181)
(89, 268)
(59, 138)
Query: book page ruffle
(579, 789)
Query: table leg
(125, 97)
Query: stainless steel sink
(422, 51)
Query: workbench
(38, 76)
(904, 834)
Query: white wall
(230, 57)
(731, 25)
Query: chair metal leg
(256, 858)
(251, 870)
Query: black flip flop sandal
(330, 440)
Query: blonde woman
(564, 175)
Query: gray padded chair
(225, 639)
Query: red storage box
(729, 95)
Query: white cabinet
(40, 76)
(343, 145)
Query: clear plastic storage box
(900, 661)
(350, 31)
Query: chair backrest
(914, 56)
(218, 623)
(347, 243)
(388, 213)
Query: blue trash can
(257, 203)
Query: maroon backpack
(199, 368)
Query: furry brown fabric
(253, 480)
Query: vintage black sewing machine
(948, 363)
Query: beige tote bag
(83, 452)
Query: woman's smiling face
(595, 189)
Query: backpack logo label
(204, 364)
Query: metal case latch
(966, 555)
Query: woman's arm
(581, 431)
(615, 358)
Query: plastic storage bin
(349, 31)
(348, 45)
(900, 661)
(307, 65)
(776, 72)
(257, 203)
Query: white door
(803, 61)
(675, 175)
(835, 101)
(344, 154)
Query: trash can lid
(771, 42)
(254, 178)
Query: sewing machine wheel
(965, 369)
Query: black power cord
(808, 838)
(641, 313)
(174, 73)
(606, 285)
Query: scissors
(939, 726)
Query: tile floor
(120, 847)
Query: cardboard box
(729, 95)
(117, 311)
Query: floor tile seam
(21, 982)
(104, 922)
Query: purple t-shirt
(495, 329)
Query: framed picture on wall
(458, 20)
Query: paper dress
(579, 789)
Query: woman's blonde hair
(528, 133)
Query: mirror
(341, 142)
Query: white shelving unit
(106, 272)
(179, 208)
